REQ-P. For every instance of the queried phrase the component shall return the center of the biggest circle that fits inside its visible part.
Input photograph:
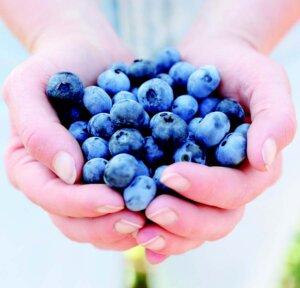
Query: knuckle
(31, 137)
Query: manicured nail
(107, 209)
(64, 167)
(164, 216)
(156, 243)
(269, 151)
(175, 182)
(126, 227)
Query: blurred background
(263, 252)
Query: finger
(42, 187)
(159, 240)
(182, 218)
(103, 230)
(155, 258)
(226, 188)
(122, 245)
(36, 122)
(273, 117)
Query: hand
(42, 149)
(220, 194)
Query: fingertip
(154, 258)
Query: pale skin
(43, 159)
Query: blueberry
(135, 91)
(233, 110)
(146, 121)
(208, 105)
(166, 77)
(79, 131)
(243, 129)
(157, 175)
(141, 70)
(96, 100)
(232, 150)
(100, 125)
(113, 81)
(168, 128)
(65, 86)
(155, 95)
(185, 107)
(142, 169)
(166, 58)
(193, 126)
(126, 140)
(153, 154)
(139, 193)
(190, 152)
(203, 82)
(120, 171)
(212, 129)
(95, 147)
(124, 95)
(93, 171)
(127, 113)
(181, 72)
(121, 66)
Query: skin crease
(248, 76)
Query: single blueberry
(181, 73)
(113, 81)
(243, 129)
(153, 154)
(157, 176)
(79, 131)
(166, 77)
(155, 96)
(139, 194)
(95, 147)
(93, 171)
(124, 95)
(190, 152)
(233, 110)
(126, 140)
(65, 86)
(142, 169)
(120, 171)
(185, 107)
(203, 82)
(208, 105)
(193, 126)
(96, 100)
(127, 113)
(232, 150)
(135, 91)
(141, 70)
(212, 129)
(168, 128)
(166, 58)
(100, 125)
(121, 66)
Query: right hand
(43, 158)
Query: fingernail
(269, 151)
(164, 216)
(109, 209)
(126, 227)
(175, 182)
(64, 167)
(156, 243)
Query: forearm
(37, 23)
(260, 22)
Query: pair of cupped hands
(43, 160)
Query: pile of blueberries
(145, 116)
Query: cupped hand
(220, 194)
(42, 149)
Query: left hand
(220, 194)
